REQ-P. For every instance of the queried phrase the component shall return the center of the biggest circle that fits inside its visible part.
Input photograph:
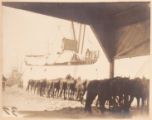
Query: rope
(141, 67)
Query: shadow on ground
(78, 112)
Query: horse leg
(54, 92)
(73, 94)
(102, 101)
(77, 95)
(90, 97)
(128, 103)
(125, 106)
(27, 88)
(68, 93)
(37, 90)
(34, 89)
(97, 103)
(61, 91)
(48, 93)
(143, 102)
(58, 92)
(138, 102)
(148, 104)
(65, 94)
(40, 91)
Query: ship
(72, 53)
(73, 59)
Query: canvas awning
(122, 28)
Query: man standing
(3, 82)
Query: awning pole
(111, 75)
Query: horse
(92, 92)
(30, 85)
(116, 91)
(63, 88)
(56, 87)
(141, 91)
(71, 88)
(81, 87)
(43, 84)
(49, 88)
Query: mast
(73, 31)
(79, 37)
(83, 38)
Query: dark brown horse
(56, 87)
(92, 92)
(43, 85)
(141, 91)
(117, 92)
(49, 88)
(71, 88)
(63, 88)
(30, 85)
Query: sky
(30, 33)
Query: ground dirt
(16, 102)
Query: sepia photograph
(76, 60)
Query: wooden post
(112, 68)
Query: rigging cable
(142, 66)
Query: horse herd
(68, 88)
(115, 94)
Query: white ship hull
(88, 71)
